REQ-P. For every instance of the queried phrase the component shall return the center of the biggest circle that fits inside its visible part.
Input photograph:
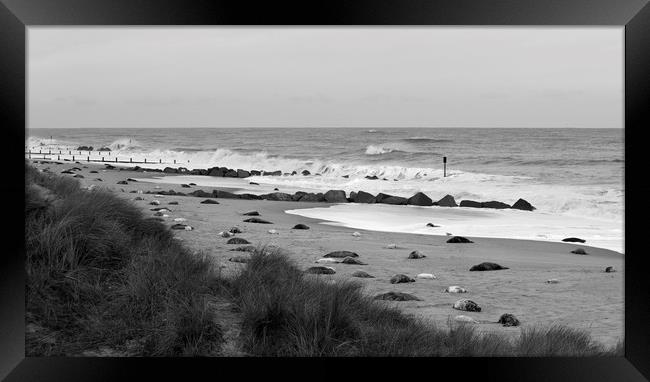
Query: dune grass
(289, 313)
(102, 276)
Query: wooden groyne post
(444, 167)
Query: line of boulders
(331, 196)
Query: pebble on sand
(579, 251)
(573, 240)
(397, 296)
(392, 246)
(173, 203)
(235, 230)
(251, 213)
(467, 305)
(155, 202)
(432, 225)
(356, 234)
(273, 232)
(552, 281)
(300, 226)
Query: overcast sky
(328, 77)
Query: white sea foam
(471, 222)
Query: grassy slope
(101, 275)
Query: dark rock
(251, 213)
(487, 267)
(131, 180)
(185, 186)
(279, 196)
(170, 170)
(508, 319)
(395, 200)
(179, 226)
(432, 225)
(75, 169)
(311, 197)
(98, 179)
(467, 305)
(610, 269)
(294, 173)
(158, 208)
(373, 177)
(521, 204)
(67, 172)
(239, 259)
(217, 171)
(199, 171)
(274, 173)
(416, 255)
(447, 201)
(400, 278)
(224, 195)
(249, 197)
(305, 172)
(352, 260)
(243, 173)
(234, 230)
(256, 173)
(85, 148)
(192, 184)
(104, 149)
(470, 203)
(579, 251)
(495, 204)
(420, 199)
(173, 203)
(364, 197)
(300, 226)
(94, 172)
(254, 184)
(381, 196)
(341, 254)
(238, 240)
(321, 270)
(122, 182)
(209, 201)
(78, 176)
(459, 239)
(345, 176)
(298, 195)
(335, 196)
(257, 220)
(201, 194)
(363, 275)
(133, 192)
(573, 240)
(396, 296)
(231, 174)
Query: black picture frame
(17, 15)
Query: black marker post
(444, 166)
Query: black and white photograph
(324, 191)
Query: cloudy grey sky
(333, 76)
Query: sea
(574, 177)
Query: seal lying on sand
(397, 296)
(508, 319)
(321, 270)
(400, 278)
(487, 267)
(455, 289)
(467, 305)
(465, 319)
(363, 275)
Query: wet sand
(585, 297)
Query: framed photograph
(448, 184)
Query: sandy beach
(585, 296)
